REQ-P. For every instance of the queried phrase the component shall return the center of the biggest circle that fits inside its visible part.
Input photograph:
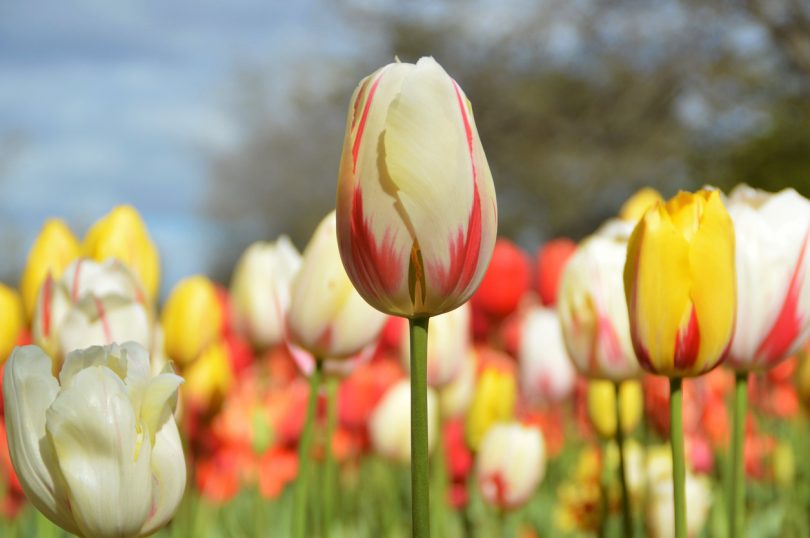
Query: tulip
(12, 320)
(210, 377)
(551, 261)
(510, 464)
(388, 425)
(260, 288)
(602, 406)
(493, 400)
(593, 309)
(448, 346)
(416, 204)
(97, 450)
(505, 282)
(546, 374)
(634, 208)
(53, 250)
(456, 396)
(192, 318)
(122, 234)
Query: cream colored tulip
(510, 463)
(327, 316)
(260, 289)
(546, 373)
(389, 425)
(455, 397)
(97, 450)
(448, 345)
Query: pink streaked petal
(362, 126)
(608, 340)
(105, 323)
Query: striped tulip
(680, 285)
(416, 206)
(546, 374)
(773, 276)
(593, 309)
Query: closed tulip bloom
(53, 250)
(191, 319)
(327, 316)
(546, 373)
(634, 208)
(12, 320)
(680, 285)
(209, 377)
(97, 450)
(389, 425)
(593, 308)
(602, 406)
(456, 396)
(416, 207)
(773, 276)
(510, 463)
(552, 259)
(449, 343)
(260, 290)
(493, 400)
(506, 281)
(122, 234)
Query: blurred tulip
(122, 234)
(551, 261)
(327, 316)
(506, 281)
(447, 347)
(209, 377)
(389, 426)
(91, 304)
(97, 451)
(593, 308)
(12, 320)
(192, 318)
(260, 289)
(602, 406)
(416, 206)
(634, 472)
(493, 400)
(546, 374)
(634, 208)
(773, 276)
(680, 283)
(456, 396)
(53, 250)
(360, 393)
(511, 462)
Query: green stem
(330, 471)
(300, 507)
(420, 474)
(678, 461)
(737, 512)
(439, 483)
(627, 520)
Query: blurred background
(222, 123)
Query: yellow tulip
(493, 401)
(635, 206)
(209, 378)
(680, 285)
(53, 250)
(192, 318)
(122, 234)
(12, 320)
(602, 406)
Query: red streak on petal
(464, 253)
(608, 340)
(788, 323)
(74, 290)
(687, 344)
(362, 127)
(47, 295)
(357, 102)
(325, 340)
(498, 481)
(105, 323)
(467, 128)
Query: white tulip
(390, 423)
(456, 396)
(511, 462)
(448, 344)
(546, 373)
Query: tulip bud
(210, 377)
(546, 374)
(389, 425)
(593, 309)
(493, 400)
(506, 281)
(455, 397)
(12, 320)
(773, 276)
(680, 285)
(551, 261)
(634, 208)
(97, 450)
(122, 234)
(447, 347)
(510, 464)
(602, 406)
(416, 206)
(192, 318)
(53, 250)
(327, 316)
(260, 289)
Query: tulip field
(411, 373)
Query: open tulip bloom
(416, 214)
(97, 450)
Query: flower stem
(627, 520)
(737, 512)
(678, 461)
(300, 507)
(330, 470)
(420, 474)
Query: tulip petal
(104, 459)
(159, 400)
(168, 476)
(29, 388)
